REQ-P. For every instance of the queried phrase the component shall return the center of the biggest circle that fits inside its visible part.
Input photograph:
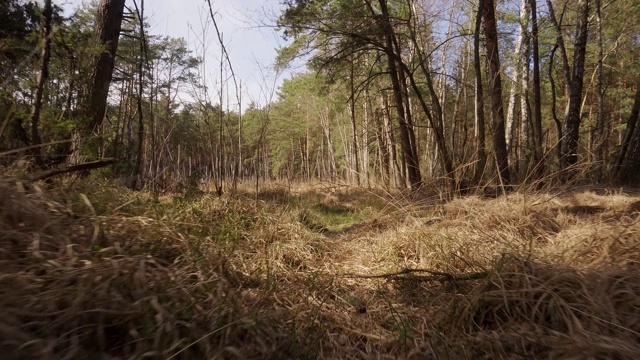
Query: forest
(415, 179)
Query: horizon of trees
(397, 93)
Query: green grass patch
(335, 218)
(331, 218)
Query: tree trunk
(566, 71)
(436, 120)
(326, 129)
(107, 32)
(221, 157)
(354, 127)
(405, 129)
(409, 120)
(521, 43)
(391, 143)
(43, 75)
(138, 172)
(495, 87)
(600, 135)
(463, 70)
(442, 79)
(524, 159)
(557, 24)
(537, 106)
(631, 139)
(572, 116)
(239, 167)
(481, 157)
(554, 114)
(383, 149)
(365, 137)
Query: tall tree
(522, 44)
(524, 160)
(566, 71)
(572, 117)
(495, 89)
(537, 102)
(481, 160)
(43, 75)
(392, 51)
(599, 133)
(631, 141)
(137, 175)
(354, 127)
(107, 32)
(435, 114)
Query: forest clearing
(319, 179)
(314, 273)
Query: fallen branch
(14, 151)
(74, 168)
(405, 274)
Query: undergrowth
(89, 269)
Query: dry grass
(90, 270)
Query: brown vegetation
(116, 274)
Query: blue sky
(247, 27)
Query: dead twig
(404, 274)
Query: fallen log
(73, 168)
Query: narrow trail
(357, 252)
(362, 248)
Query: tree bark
(481, 156)
(221, 157)
(537, 106)
(600, 130)
(326, 129)
(442, 79)
(495, 88)
(572, 116)
(413, 168)
(436, 120)
(354, 127)
(74, 168)
(409, 119)
(392, 154)
(239, 167)
(554, 114)
(43, 75)
(365, 137)
(383, 148)
(139, 159)
(631, 136)
(525, 116)
(566, 71)
(521, 43)
(107, 32)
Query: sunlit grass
(284, 274)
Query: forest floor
(91, 270)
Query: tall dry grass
(89, 270)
